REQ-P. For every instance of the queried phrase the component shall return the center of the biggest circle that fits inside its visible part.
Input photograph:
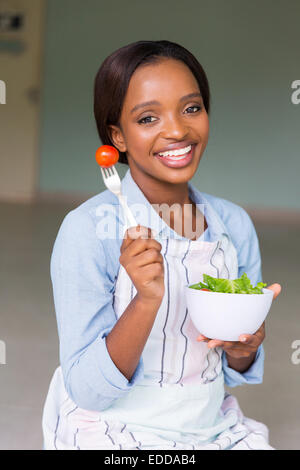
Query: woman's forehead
(160, 81)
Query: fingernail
(244, 339)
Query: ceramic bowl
(227, 316)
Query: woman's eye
(193, 107)
(143, 120)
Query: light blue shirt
(84, 267)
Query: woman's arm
(126, 341)
(100, 357)
(83, 285)
(241, 364)
(143, 262)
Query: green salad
(241, 285)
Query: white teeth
(176, 153)
(176, 158)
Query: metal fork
(113, 183)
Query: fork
(113, 183)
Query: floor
(28, 327)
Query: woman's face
(175, 120)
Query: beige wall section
(19, 117)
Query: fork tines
(110, 171)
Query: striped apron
(181, 402)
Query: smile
(177, 158)
(180, 153)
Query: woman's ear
(116, 136)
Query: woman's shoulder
(80, 240)
(85, 225)
(87, 214)
(225, 208)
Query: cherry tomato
(107, 155)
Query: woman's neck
(174, 206)
(161, 192)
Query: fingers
(140, 251)
(215, 343)
(144, 237)
(246, 341)
(152, 271)
(133, 233)
(234, 347)
(256, 339)
(138, 232)
(211, 343)
(141, 247)
(151, 255)
(202, 338)
(276, 288)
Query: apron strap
(230, 256)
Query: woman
(134, 372)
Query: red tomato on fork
(106, 156)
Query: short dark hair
(113, 77)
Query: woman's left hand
(247, 344)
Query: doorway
(22, 25)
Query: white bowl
(227, 316)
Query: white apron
(181, 402)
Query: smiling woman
(133, 374)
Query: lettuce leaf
(241, 285)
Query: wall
(249, 51)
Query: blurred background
(50, 51)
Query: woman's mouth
(177, 159)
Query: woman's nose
(175, 127)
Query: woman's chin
(178, 175)
(165, 173)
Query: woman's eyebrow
(149, 103)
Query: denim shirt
(84, 267)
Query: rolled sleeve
(83, 297)
(104, 382)
(254, 375)
(249, 250)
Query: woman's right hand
(143, 262)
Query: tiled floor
(28, 327)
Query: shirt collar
(147, 216)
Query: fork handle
(131, 222)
